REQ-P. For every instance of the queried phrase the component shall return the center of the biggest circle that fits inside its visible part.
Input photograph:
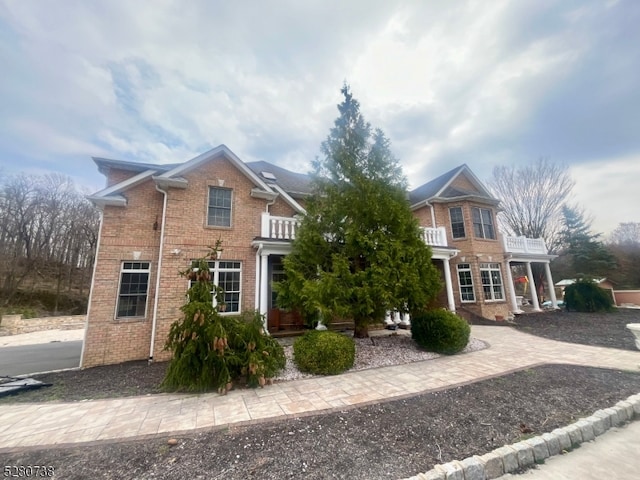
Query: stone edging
(524, 454)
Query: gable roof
(295, 184)
(441, 189)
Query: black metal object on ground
(12, 385)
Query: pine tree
(358, 251)
(588, 256)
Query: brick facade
(132, 233)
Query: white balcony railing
(525, 245)
(280, 228)
(284, 228)
(435, 237)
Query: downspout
(433, 215)
(159, 271)
(93, 281)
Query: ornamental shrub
(586, 296)
(324, 352)
(440, 331)
(211, 351)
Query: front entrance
(279, 320)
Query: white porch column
(512, 290)
(448, 285)
(551, 286)
(534, 289)
(264, 286)
(256, 302)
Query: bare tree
(532, 197)
(626, 233)
(48, 234)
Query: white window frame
(212, 188)
(127, 267)
(483, 226)
(464, 227)
(215, 270)
(464, 268)
(494, 272)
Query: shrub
(587, 296)
(440, 331)
(324, 352)
(211, 351)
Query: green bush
(324, 352)
(440, 331)
(587, 296)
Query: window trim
(124, 270)
(215, 279)
(483, 226)
(211, 188)
(465, 269)
(464, 230)
(492, 267)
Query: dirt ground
(394, 439)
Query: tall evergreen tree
(358, 252)
(588, 256)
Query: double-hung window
(483, 223)
(228, 276)
(491, 281)
(219, 207)
(465, 280)
(134, 286)
(457, 222)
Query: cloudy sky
(484, 83)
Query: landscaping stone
(563, 438)
(525, 454)
(553, 443)
(473, 469)
(540, 450)
(452, 470)
(432, 474)
(586, 429)
(606, 418)
(493, 465)
(598, 423)
(636, 405)
(575, 434)
(509, 458)
(626, 407)
(613, 416)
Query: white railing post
(264, 227)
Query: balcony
(525, 245)
(278, 228)
(434, 237)
(284, 228)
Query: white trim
(133, 270)
(101, 202)
(472, 178)
(93, 282)
(220, 150)
(128, 183)
(290, 200)
(473, 287)
(491, 285)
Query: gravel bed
(378, 351)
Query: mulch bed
(393, 439)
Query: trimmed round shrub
(440, 331)
(587, 296)
(324, 352)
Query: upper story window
(219, 207)
(483, 223)
(134, 284)
(457, 222)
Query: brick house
(156, 219)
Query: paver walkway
(23, 425)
